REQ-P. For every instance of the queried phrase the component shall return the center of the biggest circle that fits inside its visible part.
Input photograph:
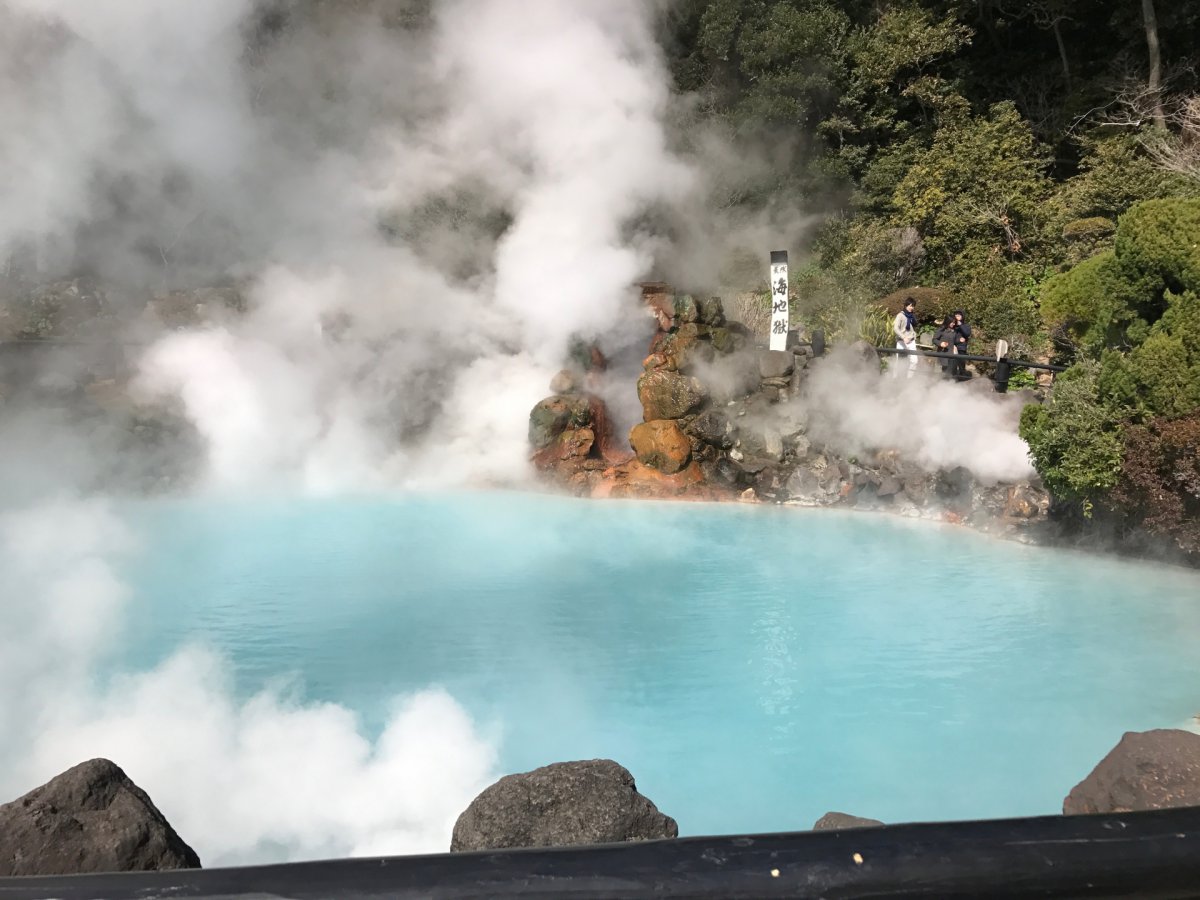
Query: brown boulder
(564, 804)
(669, 395)
(91, 818)
(1157, 769)
(662, 445)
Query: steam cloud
(271, 777)
(409, 210)
(935, 423)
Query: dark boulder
(712, 428)
(1157, 769)
(835, 821)
(889, 486)
(589, 802)
(91, 818)
(775, 363)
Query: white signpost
(779, 299)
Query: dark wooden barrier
(1004, 365)
(1141, 855)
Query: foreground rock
(589, 802)
(836, 821)
(1157, 769)
(91, 818)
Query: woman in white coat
(905, 328)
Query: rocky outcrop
(570, 431)
(1156, 769)
(91, 818)
(564, 804)
(724, 420)
(836, 821)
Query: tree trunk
(1150, 20)
(1062, 53)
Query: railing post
(1003, 373)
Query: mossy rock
(554, 415)
(725, 340)
(686, 309)
(669, 395)
(712, 311)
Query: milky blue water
(753, 667)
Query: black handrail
(1025, 364)
(1004, 365)
(1140, 855)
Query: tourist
(963, 332)
(945, 341)
(905, 328)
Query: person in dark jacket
(962, 333)
(944, 341)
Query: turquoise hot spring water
(754, 667)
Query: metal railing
(1003, 364)
(1140, 855)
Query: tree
(981, 182)
(1150, 24)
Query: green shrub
(1074, 439)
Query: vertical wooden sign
(779, 299)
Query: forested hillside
(1036, 163)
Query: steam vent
(725, 419)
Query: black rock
(91, 818)
(1157, 769)
(589, 802)
(775, 363)
(712, 428)
(835, 821)
(889, 486)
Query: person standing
(962, 337)
(945, 341)
(905, 328)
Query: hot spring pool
(753, 667)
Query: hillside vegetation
(1036, 163)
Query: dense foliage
(1034, 161)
